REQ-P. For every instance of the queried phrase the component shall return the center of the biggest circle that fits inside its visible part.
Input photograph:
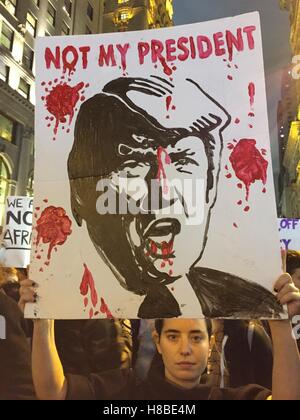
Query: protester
(183, 346)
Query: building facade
(290, 194)
(132, 15)
(20, 22)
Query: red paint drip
(264, 190)
(248, 164)
(251, 92)
(104, 309)
(53, 228)
(226, 167)
(87, 284)
(86, 302)
(161, 175)
(91, 313)
(62, 101)
(168, 102)
(167, 70)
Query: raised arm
(286, 367)
(47, 371)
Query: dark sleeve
(110, 385)
(247, 393)
(15, 355)
(262, 357)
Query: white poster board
(153, 181)
(289, 231)
(17, 232)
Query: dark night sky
(275, 28)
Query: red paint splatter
(174, 68)
(46, 200)
(91, 313)
(251, 92)
(86, 302)
(53, 227)
(170, 272)
(43, 83)
(237, 121)
(41, 270)
(226, 167)
(162, 265)
(229, 66)
(251, 115)
(239, 203)
(246, 209)
(38, 208)
(161, 175)
(168, 102)
(87, 284)
(236, 66)
(173, 107)
(264, 190)
(104, 309)
(240, 186)
(167, 70)
(250, 126)
(228, 176)
(172, 289)
(62, 101)
(47, 263)
(229, 77)
(230, 146)
(39, 257)
(248, 163)
(235, 225)
(87, 85)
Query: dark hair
(292, 261)
(159, 323)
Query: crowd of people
(165, 359)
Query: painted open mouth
(159, 238)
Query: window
(5, 179)
(28, 57)
(90, 11)
(123, 16)
(65, 30)
(68, 7)
(7, 128)
(31, 24)
(7, 36)
(11, 5)
(24, 88)
(4, 72)
(51, 14)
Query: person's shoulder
(249, 392)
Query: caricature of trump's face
(127, 146)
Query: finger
(289, 298)
(287, 288)
(28, 295)
(283, 260)
(282, 281)
(28, 283)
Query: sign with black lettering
(18, 230)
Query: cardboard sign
(153, 175)
(289, 231)
(17, 232)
